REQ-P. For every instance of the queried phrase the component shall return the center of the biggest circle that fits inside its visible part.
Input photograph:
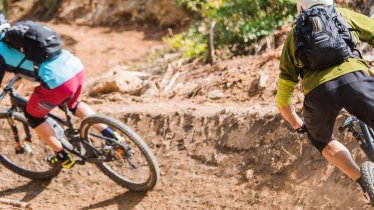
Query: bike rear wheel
(33, 162)
(138, 172)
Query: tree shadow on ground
(125, 201)
(32, 190)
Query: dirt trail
(212, 154)
(103, 48)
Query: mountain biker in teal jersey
(61, 80)
(346, 84)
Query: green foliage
(238, 22)
(191, 43)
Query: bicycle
(130, 162)
(365, 137)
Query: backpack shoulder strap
(36, 71)
(19, 65)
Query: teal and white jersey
(52, 73)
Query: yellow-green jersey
(290, 66)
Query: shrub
(238, 23)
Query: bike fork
(20, 147)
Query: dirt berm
(216, 133)
(215, 151)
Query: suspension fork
(11, 121)
(20, 147)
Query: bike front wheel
(31, 161)
(367, 176)
(137, 171)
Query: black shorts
(353, 91)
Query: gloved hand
(301, 130)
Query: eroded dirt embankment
(211, 156)
(216, 134)
(249, 152)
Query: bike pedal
(53, 161)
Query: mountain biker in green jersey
(346, 84)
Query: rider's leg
(83, 110)
(337, 154)
(360, 93)
(359, 100)
(321, 107)
(41, 102)
(47, 134)
(79, 108)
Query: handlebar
(9, 86)
(12, 81)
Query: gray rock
(216, 94)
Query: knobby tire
(133, 138)
(367, 176)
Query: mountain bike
(129, 162)
(365, 137)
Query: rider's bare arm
(291, 116)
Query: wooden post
(212, 55)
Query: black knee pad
(34, 121)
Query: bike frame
(364, 136)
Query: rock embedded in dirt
(117, 81)
(263, 81)
(249, 174)
(216, 94)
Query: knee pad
(34, 121)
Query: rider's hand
(301, 129)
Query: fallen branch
(15, 203)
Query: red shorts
(43, 100)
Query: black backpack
(323, 38)
(38, 42)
